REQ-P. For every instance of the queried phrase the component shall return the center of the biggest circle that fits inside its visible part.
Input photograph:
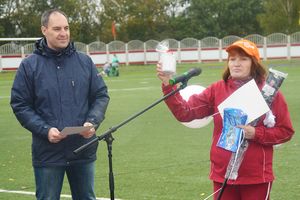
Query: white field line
(33, 194)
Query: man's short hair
(47, 13)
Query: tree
(22, 18)
(280, 16)
(136, 19)
(224, 17)
(91, 20)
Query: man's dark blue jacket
(58, 89)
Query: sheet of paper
(75, 129)
(247, 98)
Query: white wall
(151, 57)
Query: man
(106, 69)
(114, 70)
(57, 87)
(115, 61)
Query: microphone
(185, 76)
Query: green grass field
(154, 156)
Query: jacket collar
(43, 49)
(238, 83)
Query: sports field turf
(154, 156)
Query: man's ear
(43, 29)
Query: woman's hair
(46, 15)
(258, 72)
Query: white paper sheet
(247, 98)
(75, 129)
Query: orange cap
(246, 45)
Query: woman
(255, 174)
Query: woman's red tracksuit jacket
(256, 166)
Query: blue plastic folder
(231, 135)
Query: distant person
(115, 61)
(114, 70)
(54, 88)
(106, 69)
(255, 175)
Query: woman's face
(239, 65)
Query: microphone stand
(107, 136)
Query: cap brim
(240, 47)
(243, 48)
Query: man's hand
(54, 135)
(89, 133)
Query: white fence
(273, 46)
